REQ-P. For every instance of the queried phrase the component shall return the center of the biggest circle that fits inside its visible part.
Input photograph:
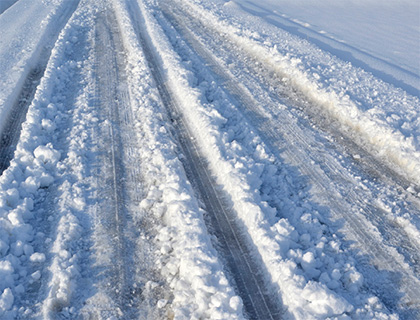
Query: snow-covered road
(186, 159)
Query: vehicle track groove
(258, 304)
(113, 211)
(277, 133)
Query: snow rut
(11, 131)
(111, 213)
(121, 256)
(282, 130)
(240, 262)
(376, 224)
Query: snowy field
(381, 37)
(210, 159)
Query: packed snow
(98, 215)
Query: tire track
(245, 271)
(275, 135)
(111, 212)
(123, 254)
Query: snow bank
(305, 265)
(186, 257)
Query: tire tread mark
(258, 304)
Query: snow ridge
(33, 174)
(382, 118)
(242, 165)
(186, 257)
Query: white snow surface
(304, 301)
(382, 35)
(367, 82)
(241, 171)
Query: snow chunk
(17, 248)
(6, 274)
(236, 303)
(36, 275)
(47, 154)
(162, 303)
(6, 300)
(231, 4)
(46, 180)
(12, 197)
(15, 217)
(31, 184)
(309, 264)
(37, 257)
(323, 301)
(48, 125)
